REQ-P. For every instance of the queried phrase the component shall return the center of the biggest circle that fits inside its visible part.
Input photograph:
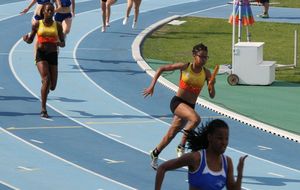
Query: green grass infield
(171, 44)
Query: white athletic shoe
(154, 159)
(125, 20)
(133, 25)
(103, 28)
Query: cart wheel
(233, 79)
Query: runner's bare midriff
(38, 9)
(187, 96)
(64, 10)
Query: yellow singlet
(47, 34)
(191, 81)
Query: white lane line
(66, 161)
(6, 5)
(275, 174)
(47, 119)
(36, 141)
(264, 160)
(204, 10)
(109, 161)
(12, 16)
(264, 147)
(119, 122)
(244, 188)
(117, 114)
(26, 169)
(100, 49)
(114, 135)
(38, 128)
(9, 185)
(24, 51)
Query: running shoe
(44, 114)
(125, 20)
(133, 25)
(154, 159)
(180, 150)
(263, 15)
(103, 29)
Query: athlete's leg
(177, 124)
(137, 4)
(128, 9)
(103, 8)
(43, 69)
(66, 25)
(188, 113)
(109, 3)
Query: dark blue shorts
(59, 17)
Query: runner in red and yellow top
(192, 79)
(50, 37)
(47, 34)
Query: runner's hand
(148, 91)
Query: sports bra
(47, 34)
(191, 81)
(205, 179)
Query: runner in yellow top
(192, 79)
(47, 34)
(50, 36)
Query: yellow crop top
(191, 81)
(47, 34)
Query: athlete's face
(48, 11)
(218, 141)
(201, 57)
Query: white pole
(233, 32)
(248, 34)
(295, 48)
(240, 20)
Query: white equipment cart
(249, 67)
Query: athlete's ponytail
(197, 139)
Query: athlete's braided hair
(197, 139)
